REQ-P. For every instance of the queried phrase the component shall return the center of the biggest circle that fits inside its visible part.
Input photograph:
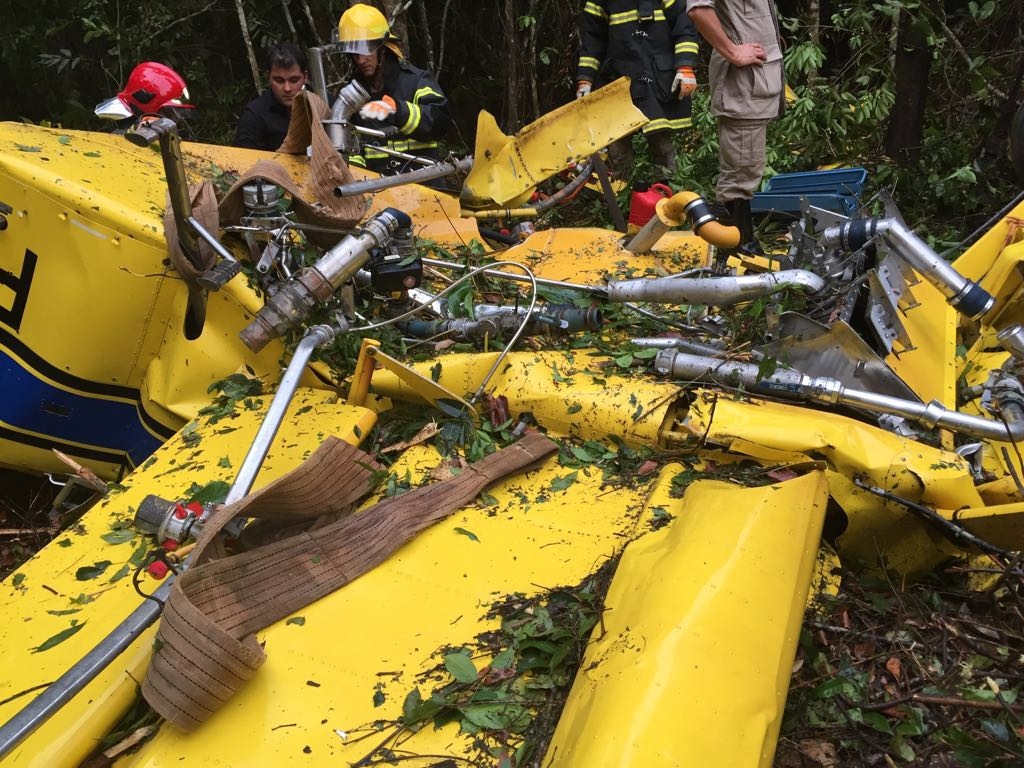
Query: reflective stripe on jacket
(646, 40)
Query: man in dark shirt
(263, 123)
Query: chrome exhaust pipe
(965, 296)
(341, 131)
(713, 291)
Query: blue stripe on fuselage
(30, 404)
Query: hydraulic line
(1007, 394)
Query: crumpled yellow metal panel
(48, 594)
(569, 393)
(100, 254)
(692, 660)
(507, 167)
(386, 632)
(591, 256)
(909, 469)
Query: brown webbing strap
(204, 209)
(206, 648)
(313, 199)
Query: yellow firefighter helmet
(362, 29)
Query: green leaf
(94, 571)
(468, 534)
(92, 154)
(65, 140)
(122, 536)
(624, 361)
(505, 716)
(997, 730)
(59, 638)
(66, 612)
(504, 660)
(212, 493)
(378, 697)
(123, 571)
(18, 580)
(461, 667)
(563, 483)
(224, 462)
(296, 620)
(82, 599)
(64, 543)
(23, 148)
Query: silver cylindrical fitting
(713, 291)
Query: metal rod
(412, 177)
(593, 290)
(85, 670)
(315, 337)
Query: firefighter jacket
(646, 40)
(420, 118)
(756, 92)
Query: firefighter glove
(583, 88)
(685, 82)
(378, 110)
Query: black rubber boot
(739, 213)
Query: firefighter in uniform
(403, 98)
(654, 42)
(747, 92)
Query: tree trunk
(256, 79)
(912, 64)
(513, 83)
(428, 40)
(813, 32)
(444, 36)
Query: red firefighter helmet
(151, 86)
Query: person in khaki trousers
(747, 92)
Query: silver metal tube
(412, 177)
(1012, 339)
(204, 233)
(350, 98)
(648, 236)
(315, 337)
(964, 295)
(317, 73)
(787, 382)
(68, 685)
(713, 291)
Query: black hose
(498, 237)
(956, 534)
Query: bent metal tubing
(790, 383)
(965, 296)
(64, 688)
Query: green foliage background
(516, 58)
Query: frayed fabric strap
(206, 646)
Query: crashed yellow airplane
(407, 514)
